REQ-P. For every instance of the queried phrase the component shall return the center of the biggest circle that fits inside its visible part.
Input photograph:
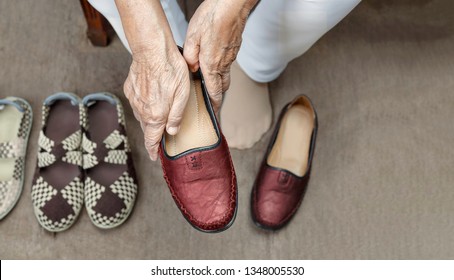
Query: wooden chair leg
(98, 27)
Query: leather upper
(278, 193)
(203, 185)
(276, 196)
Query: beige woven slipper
(15, 124)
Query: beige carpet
(383, 177)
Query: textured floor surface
(382, 185)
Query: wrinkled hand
(213, 41)
(157, 88)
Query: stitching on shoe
(195, 162)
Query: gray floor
(383, 176)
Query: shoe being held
(197, 165)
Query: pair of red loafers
(199, 171)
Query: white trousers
(276, 32)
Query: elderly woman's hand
(157, 88)
(213, 41)
(158, 82)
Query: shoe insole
(291, 148)
(196, 129)
(62, 121)
(102, 121)
(10, 120)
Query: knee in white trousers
(175, 17)
(276, 32)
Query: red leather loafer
(281, 183)
(197, 165)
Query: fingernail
(172, 130)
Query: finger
(128, 89)
(217, 102)
(178, 106)
(213, 83)
(142, 126)
(153, 135)
(136, 115)
(226, 80)
(191, 52)
(130, 93)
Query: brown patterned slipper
(110, 184)
(57, 191)
(15, 124)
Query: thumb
(191, 53)
(213, 83)
(178, 106)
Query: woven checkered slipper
(57, 190)
(15, 124)
(110, 184)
